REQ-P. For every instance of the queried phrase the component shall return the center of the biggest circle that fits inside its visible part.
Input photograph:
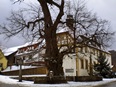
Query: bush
(88, 78)
(47, 80)
(40, 80)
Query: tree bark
(54, 61)
(54, 58)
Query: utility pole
(20, 62)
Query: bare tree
(39, 21)
(95, 31)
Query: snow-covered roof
(62, 29)
(11, 50)
(29, 43)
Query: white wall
(84, 71)
(69, 65)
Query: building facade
(29, 54)
(84, 57)
(3, 61)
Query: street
(112, 84)
(10, 85)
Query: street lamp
(20, 62)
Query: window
(93, 50)
(98, 53)
(86, 64)
(24, 57)
(86, 49)
(30, 56)
(81, 49)
(82, 64)
(1, 65)
(94, 62)
(64, 37)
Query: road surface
(10, 85)
(112, 84)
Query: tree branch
(33, 23)
(60, 14)
(46, 12)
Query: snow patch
(8, 80)
(12, 68)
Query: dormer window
(1, 65)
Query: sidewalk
(8, 81)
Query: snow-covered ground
(12, 68)
(8, 80)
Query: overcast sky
(5, 7)
(105, 9)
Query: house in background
(3, 61)
(79, 62)
(10, 53)
(29, 54)
(113, 57)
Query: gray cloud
(14, 41)
(5, 7)
(104, 9)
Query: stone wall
(31, 71)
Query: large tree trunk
(55, 59)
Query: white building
(78, 63)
